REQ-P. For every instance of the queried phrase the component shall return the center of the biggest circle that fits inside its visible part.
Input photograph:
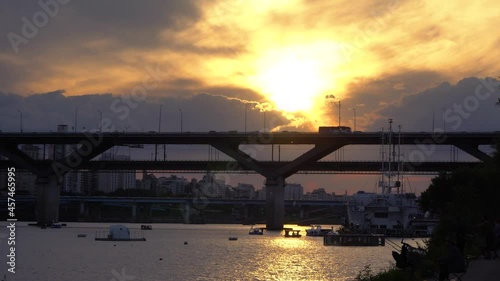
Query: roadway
(122, 138)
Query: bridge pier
(48, 192)
(275, 203)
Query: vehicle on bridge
(334, 130)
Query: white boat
(316, 230)
(256, 231)
(119, 233)
(391, 212)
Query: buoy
(161, 259)
(114, 245)
(185, 242)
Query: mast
(390, 158)
(382, 156)
(400, 165)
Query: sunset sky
(407, 60)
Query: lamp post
(264, 121)
(159, 130)
(444, 123)
(100, 120)
(246, 105)
(333, 102)
(20, 120)
(76, 118)
(354, 111)
(159, 120)
(180, 110)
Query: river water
(58, 254)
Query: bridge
(91, 144)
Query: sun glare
(294, 78)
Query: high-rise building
(212, 187)
(244, 190)
(110, 181)
(294, 191)
(174, 185)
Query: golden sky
(289, 53)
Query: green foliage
(463, 197)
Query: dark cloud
(468, 105)
(201, 112)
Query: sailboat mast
(382, 156)
(390, 158)
(400, 165)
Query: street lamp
(246, 105)
(159, 129)
(264, 121)
(444, 123)
(159, 120)
(20, 120)
(333, 97)
(100, 120)
(354, 111)
(180, 110)
(76, 118)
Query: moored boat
(146, 227)
(316, 230)
(292, 233)
(256, 231)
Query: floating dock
(354, 240)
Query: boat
(146, 227)
(316, 230)
(292, 233)
(82, 235)
(56, 225)
(338, 239)
(233, 238)
(392, 212)
(119, 233)
(256, 231)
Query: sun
(292, 84)
(294, 78)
